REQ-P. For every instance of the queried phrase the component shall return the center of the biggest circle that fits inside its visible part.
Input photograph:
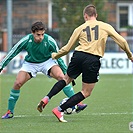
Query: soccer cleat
(42, 104)
(59, 114)
(7, 115)
(80, 107)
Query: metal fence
(111, 46)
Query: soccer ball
(68, 111)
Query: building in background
(25, 12)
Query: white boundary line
(122, 113)
(96, 114)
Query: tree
(69, 15)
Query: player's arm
(121, 42)
(64, 50)
(17, 48)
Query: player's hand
(53, 55)
(131, 58)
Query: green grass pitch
(110, 107)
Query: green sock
(14, 95)
(68, 90)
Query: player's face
(38, 36)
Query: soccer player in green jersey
(39, 47)
(92, 36)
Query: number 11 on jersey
(88, 30)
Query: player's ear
(96, 15)
(85, 17)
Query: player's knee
(17, 84)
(86, 93)
(60, 76)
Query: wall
(25, 12)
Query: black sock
(74, 100)
(56, 88)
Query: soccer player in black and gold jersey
(92, 36)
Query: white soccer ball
(68, 111)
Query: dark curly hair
(37, 26)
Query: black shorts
(84, 63)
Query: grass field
(110, 107)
